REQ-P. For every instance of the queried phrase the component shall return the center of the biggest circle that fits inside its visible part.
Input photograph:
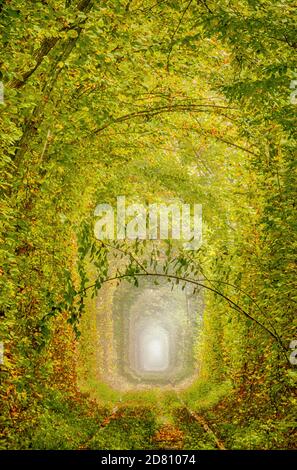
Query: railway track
(170, 432)
(203, 423)
(105, 422)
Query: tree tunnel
(155, 329)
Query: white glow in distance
(154, 349)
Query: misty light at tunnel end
(154, 350)
(155, 327)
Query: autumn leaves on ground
(182, 101)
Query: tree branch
(232, 304)
(160, 110)
(174, 33)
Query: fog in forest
(155, 330)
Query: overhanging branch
(231, 303)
